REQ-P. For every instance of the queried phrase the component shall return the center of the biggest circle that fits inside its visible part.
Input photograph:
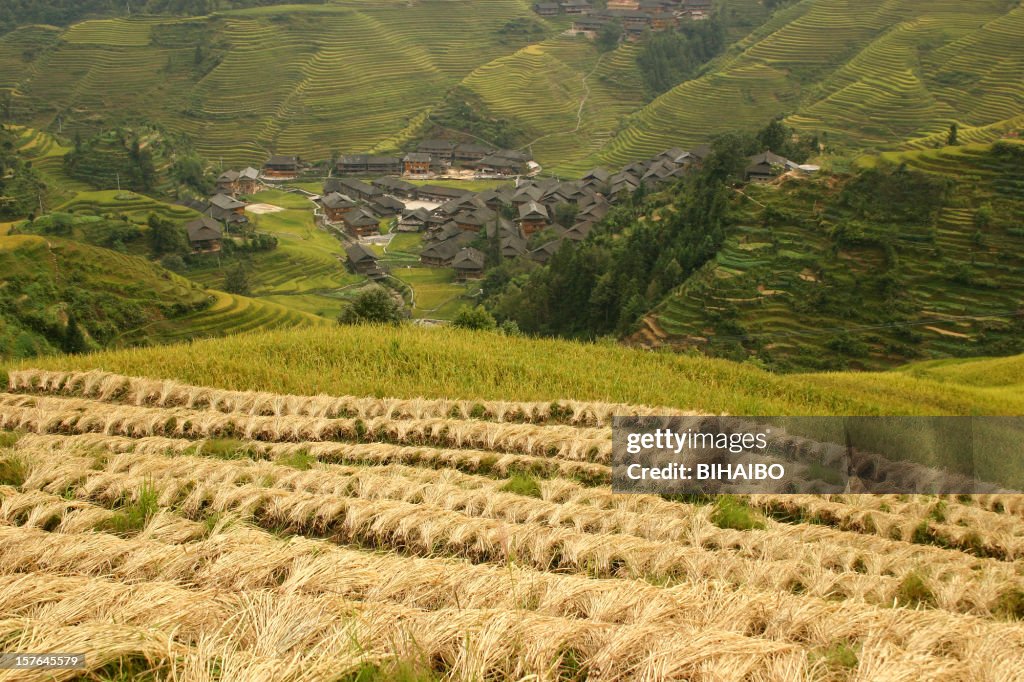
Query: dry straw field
(187, 533)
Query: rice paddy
(195, 532)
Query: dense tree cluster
(20, 186)
(668, 58)
(607, 282)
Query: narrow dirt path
(579, 111)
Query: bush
(374, 306)
(237, 280)
(474, 318)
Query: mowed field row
(233, 535)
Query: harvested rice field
(176, 532)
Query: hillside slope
(309, 79)
(859, 74)
(829, 273)
(353, 76)
(116, 300)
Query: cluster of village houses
(634, 16)
(523, 218)
(430, 159)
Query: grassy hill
(307, 79)
(440, 362)
(117, 300)
(351, 76)
(803, 267)
(862, 75)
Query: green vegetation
(374, 306)
(522, 484)
(668, 58)
(133, 515)
(869, 271)
(414, 361)
(642, 250)
(113, 299)
(862, 76)
(914, 591)
(20, 185)
(304, 270)
(309, 79)
(350, 76)
(839, 656)
(732, 512)
(12, 470)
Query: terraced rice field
(569, 98)
(231, 314)
(962, 278)
(198, 532)
(298, 79)
(866, 74)
(305, 272)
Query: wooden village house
(363, 261)
(360, 222)
(416, 163)
(204, 235)
(281, 167)
(533, 217)
(468, 264)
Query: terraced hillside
(862, 75)
(801, 281)
(568, 98)
(179, 529)
(118, 300)
(306, 79)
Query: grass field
(437, 295)
(177, 528)
(307, 269)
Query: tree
(165, 237)
(474, 318)
(74, 339)
(954, 134)
(374, 306)
(237, 280)
(609, 36)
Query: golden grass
(411, 362)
